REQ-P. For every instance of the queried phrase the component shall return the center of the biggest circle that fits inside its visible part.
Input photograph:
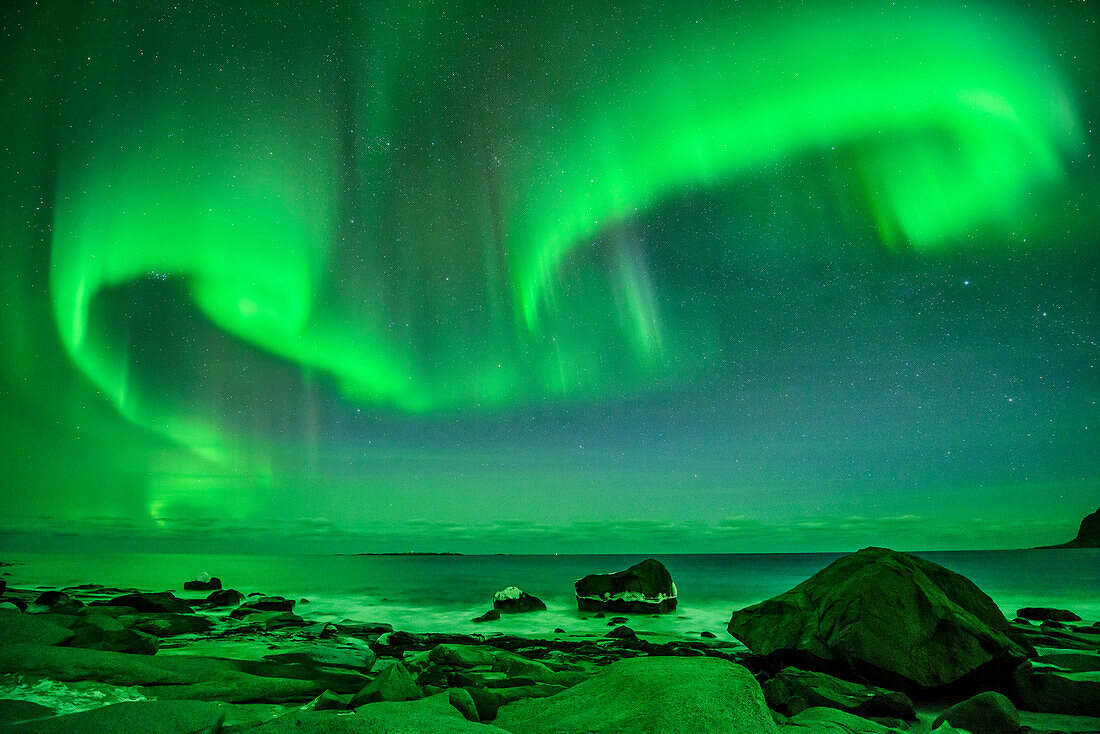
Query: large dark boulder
(513, 600)
(1088, 536)
(58, 602)
(162, 601)
(792, 691)
(645, 588)
(887, 616)
(395, 683)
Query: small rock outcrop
(1047, 613)
(645, 588)
(162, 601)
(891, 617)
(513, 600)
(1088, 536)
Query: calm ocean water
(443, 593)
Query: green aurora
(264, 240)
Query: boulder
(262, 604)
(58, 602)
(162, 601)
(327, 701)
(1047, 614)
(224, 598)
(168, 625)
(792, 691)
(513, 600)
(821, 720)
(1055, 691)
(193, 717)
(649, 694)
(622, 632)
(100, 632)
(490, 616)
(395, 683)
(886, 616)
(644, 588)
(431, 715)
(986, 713)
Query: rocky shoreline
(877, 642)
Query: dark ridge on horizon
(1088, 536)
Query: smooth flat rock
(12, 711)
(151, 717)
(20, 627)
(820, 720)
(1051, 690)
(650, 694)
(167, 677)
(432, 715)
(886, 616)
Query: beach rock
(513, 665)
(708, 635)
(821, 720)
(12, 711)
(58, 602)
(395, 683)
(100, 632)
(159, 717)
(162, 601)
(490, 616)
(643, 588)
(18, 627)
(622, 633)
(1055, 691)
(513, 600)
(212, 585)
(649, 694)
(887, 616)
(985, 713)
(1047, 613)
(328, 701)
(1071, 662)
(1088, 535)
(344, 652)
(255, 604)
(224, 598)
(12, 604)
(792, 691)
(274, 620)
(169, 625)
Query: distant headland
(1087, 537)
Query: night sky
(548, 277)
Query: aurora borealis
(460, 275)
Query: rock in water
(224, 598)
(650, 694)
(203, 582)
(513, 600)
(1088, 536)
(645, 588)
(1047, 613)
(162, 601)
(888, 616)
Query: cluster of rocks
(877, 642)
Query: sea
(443, 593)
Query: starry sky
(498, 277)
